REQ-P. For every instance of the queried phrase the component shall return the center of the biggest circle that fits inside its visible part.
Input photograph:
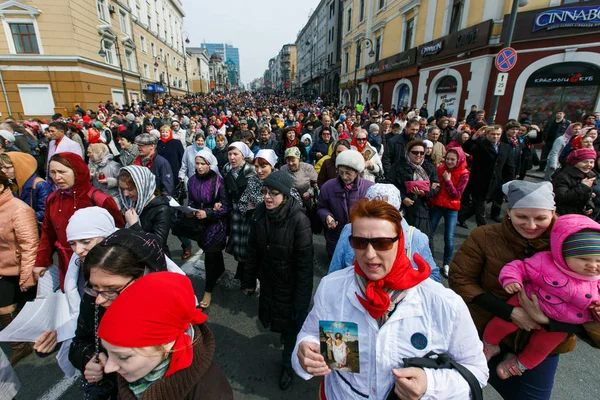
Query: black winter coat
(236, 186)
(319, 147)
(572, 196)
(515, 154)
(394, 151)
(172, 151)
(221, 156)
(489, 170)
(280, 255)
(156, 219)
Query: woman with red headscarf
(163, 350)
(72, 176)
(400, 314)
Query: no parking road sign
(506, 59)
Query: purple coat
(563, 295)
(334, 200)
(202, 196)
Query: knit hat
(352, 159)
(308, 137)
(130, 117)
(7, 135)
(269, 155)
(580, 155)
(585, 243)
(428, 144)
(523, 194)
(292, 152)
(127, 135)
(280, 180)
(89, 223)
(385, 192)
(511, 125)
(145, 139)
(373, 128)
(86, 119)
(165, 307)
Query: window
(157, 24)
(138, 11)
(349, 26)
(358, 56)
(149, 20)
(408, 37)
(162, 57)
(377, 48)
(455, 17)
(156, 76)
(129, 60)
(332, 10)
(36, 99)
(362, 11)
(123, 20)
(346, 61)
(143, 44)
(146, 71)
(108, 47)
(102, 11)
(24, 38)
(153, 49)
(381, 4)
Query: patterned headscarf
(145, 184)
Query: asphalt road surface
(250, 356)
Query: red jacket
(60, 206)
(451, 191)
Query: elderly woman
(418, 182)
(381, 294)
(103, 169)
(305, 177)
(373, 165)
(474, 272)
(280, 255)
(339, 195)
(236, 175)
(573, 184)
(416, 241)
(325, 168)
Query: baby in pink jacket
(566, 282)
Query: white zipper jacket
(429, 318)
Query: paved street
(250, 356)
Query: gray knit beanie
(280, 180)
(373, 128)
(523, 194)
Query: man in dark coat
(396, 146)
(423, 113)
(265, 141)
(441, 112)
(491, 166)
(552, 130)
(159, 166)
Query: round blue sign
(418, 340)
(506, 59)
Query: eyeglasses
(418, 153)
(350, 173)
(270, 193)
(361, 139)
(107, 294)
(379, 244)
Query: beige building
(56, 54)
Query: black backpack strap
(92, 196)
(433, 360)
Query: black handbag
(433, 360)
(179, 193)
(191, 228)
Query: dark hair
(113, 259)
(412, 123)
(4, 181)
(415, 143)
(61, 126)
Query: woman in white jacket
(400, 314)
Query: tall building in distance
(227, 53)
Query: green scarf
(139, 387)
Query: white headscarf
(145, 184)
(89, 223)
(210, 159)
(385, 192)
(268, 155)
(243, 148)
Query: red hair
(377, 209)
(262, 162)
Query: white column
(430, 22)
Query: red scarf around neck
(167, 139)
(402, 276)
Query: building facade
(55, 55)
(443, 51)
(228, 54)
(282, 69)
(319, 50)
(199, 69)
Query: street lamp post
(308, 43)
(157, 60)
(187, 82)
(509, 34)
(368, 44)
(102, 53)
(187, 85)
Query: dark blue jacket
(164, 174)
(36, 199)
(172, 151)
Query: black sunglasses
(379, 244)
(418, 153)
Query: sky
(259, 28)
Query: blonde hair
(99, 150)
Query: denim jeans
(534, 384)
(450, 217)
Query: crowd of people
(97, 194)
